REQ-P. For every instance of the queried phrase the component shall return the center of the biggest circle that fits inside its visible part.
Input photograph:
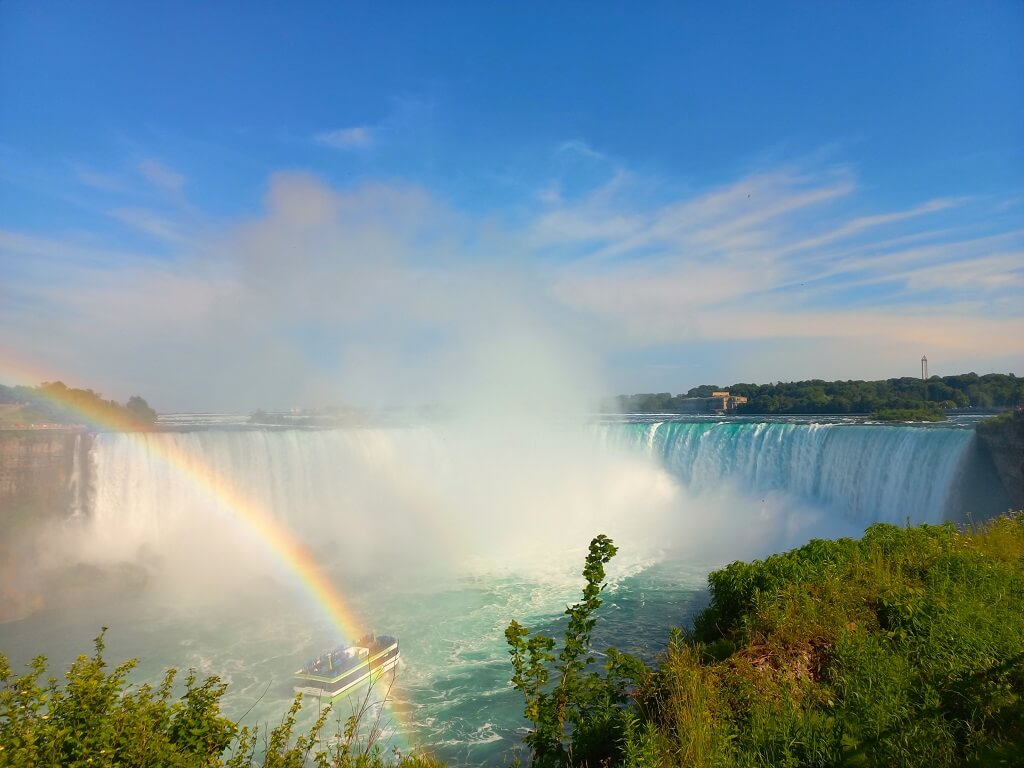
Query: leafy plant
(97, 719)
(577, 713)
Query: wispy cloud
(96, 180)
(874, 261)
(149, 222)
(354, 138)
(46, 253)
(726, 222)
(161, 176)
(863, 223)
(550, 194)
(579, 147)
(779, 256)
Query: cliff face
(1003, 438)
(41, 480)
(39, 473)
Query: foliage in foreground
(579, 716)
(96, 718)
(905, 648)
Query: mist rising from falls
(412, 501)
(407, 501)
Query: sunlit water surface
(451, 691)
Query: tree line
(966, 390)
(56, 403)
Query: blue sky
(259, 204)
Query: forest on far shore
(55, 403)
(965, 390)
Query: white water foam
(866, 473)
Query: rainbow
(276, 538)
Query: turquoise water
(442, 537)
(453, 679)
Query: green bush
(578, 714)
(904, 648)
(97, 719)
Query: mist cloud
(382, 293)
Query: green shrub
(904, 648)
(580, 716)
(97, 719)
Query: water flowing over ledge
(311, 478)
(867, 473)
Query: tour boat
(339, 671)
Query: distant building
(721, 401)
(726, 402)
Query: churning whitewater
(867, 473)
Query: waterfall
(866, 472)
(364, 496)
(76, 481)
(320, 484)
